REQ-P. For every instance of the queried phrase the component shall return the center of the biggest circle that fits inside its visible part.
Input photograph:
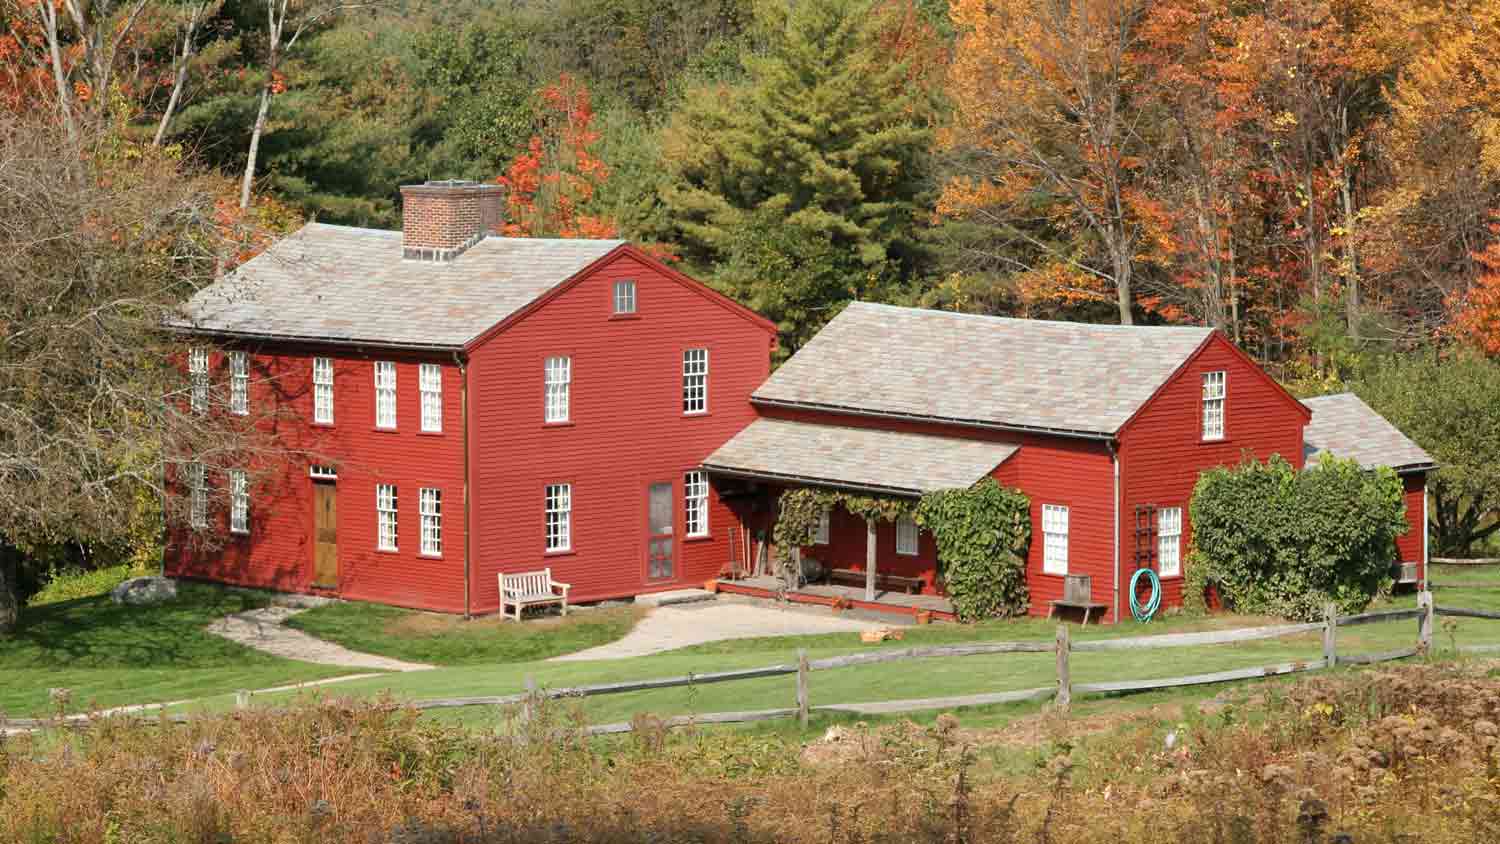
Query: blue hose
(1144, 614)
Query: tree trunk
(181, 78)
(48, 13)
(1351, 259)
(10, 603)
(260, 125)
(1122, 288)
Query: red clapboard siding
(278, 553)
(1162, 451)
(627, 429)
(1410, 546)
(1072, 472)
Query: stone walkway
(680, 625)
(263, 630)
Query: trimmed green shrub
(1275, 540)
(982, 534)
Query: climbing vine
(802, 508)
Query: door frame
(676, 535)
(318, 483)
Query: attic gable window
(624, 297)
(1214, 392)
(558, 389)
(385, 394)
(239, 383)
(695, 381)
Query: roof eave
(312, 338)
(802, 480)
(849, 410)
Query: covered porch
(875, 562)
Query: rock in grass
(144, 590)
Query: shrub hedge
(982, 535)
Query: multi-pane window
(1213, 405)
(385, 394)
(695, 498)
(625, 297)
(1169, 541)
(906, 536)
(820, 531)
(385, 517)
(695, 381)
(323, 390)
(239, 383)
(1054, 539)
(431, 382)
(431, 503)
(198, 377)
(239, 501)
(197, 496)
(559, 381)
(559, 517)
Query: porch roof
(1344, 426)
(859, 458)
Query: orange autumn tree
(552, 182)
(1476, 312)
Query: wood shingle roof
(1344, 426)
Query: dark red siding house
(1106, 428)
(463, 404)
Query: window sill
(426, 556)
(1054, 573)
(244, 533)
(561, 552)
(623, 317)
(698, 537)
(567, 424)
(394, 552)
(696, 414)
(320, 424)
(379, 430)
(431, 433)
(1213, 440)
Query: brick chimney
(439, 220)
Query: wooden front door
(659, 545)
(325, 535)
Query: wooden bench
(883, 582)
(1087, 607)
(531, 589)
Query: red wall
(627, 429)
(1162, 451)
(278, 552)
(1409, 546)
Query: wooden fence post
(1424, 622)
(529, 704)
(242, 699)
(802, 703)
(1330, 635)
(1064, 681)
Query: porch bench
(883, 582)
(1087, 607)
(530, 589)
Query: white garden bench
(531, 588)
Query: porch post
(870, 560)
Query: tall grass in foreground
(1406, 754)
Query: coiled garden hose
(1144, 613)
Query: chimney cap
(438, 187)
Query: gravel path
(680, 625)
(263, 630)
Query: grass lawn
(112, 655)
(898, 680)
(441, 639)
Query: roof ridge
(1028, 320)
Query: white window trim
(821, 529)
(198, 378)
(695, 504)
(239, 383)
(626, 286)
(323, 472)
(387, 514)
(323, 391)
(558, 505)
(1055, 539)
(385, 395)
(1169, 538)
(1216, 396)
(239, 501)
(430, 384)
(906, 529)
(557, 389)
(430, 504)
(694, 382)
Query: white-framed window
(385, 517)
(820, 531)
(430, 502)
(1169, 541)
(1054, 539)
(430, 380)
(1214, 391)
(559, 517)
(625, 296)
(239, 383)
(559, 383)
(323, 391)
(239, 501)
(197, 496)
(906, 536)
(321, 471)
(695, 381)
(695, 500)
(198, 377)
(385, 394)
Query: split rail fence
(1061, 692)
